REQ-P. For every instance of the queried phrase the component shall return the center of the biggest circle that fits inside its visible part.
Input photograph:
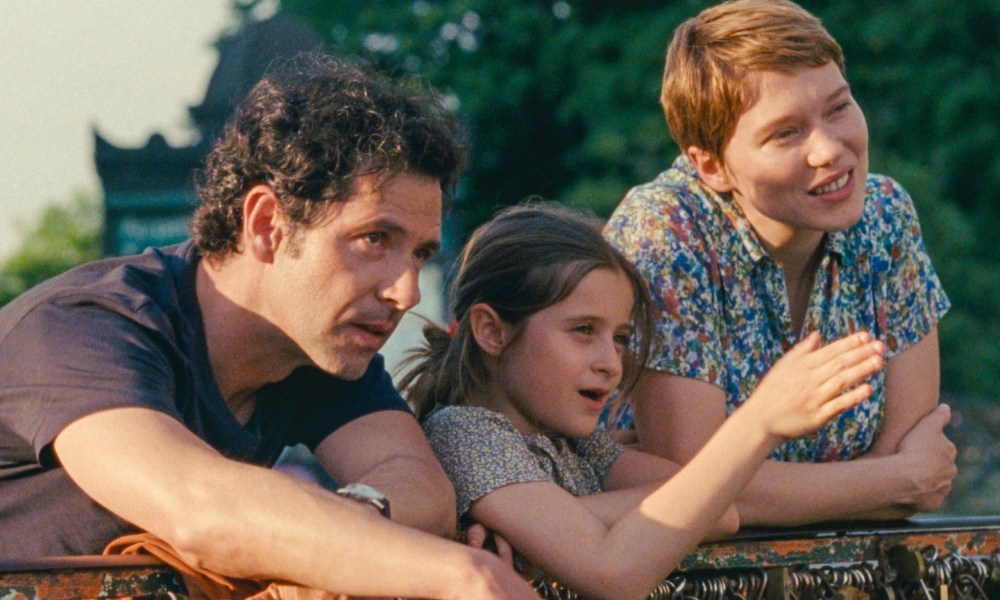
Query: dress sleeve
(598, 449)
(480, 451)
(913, 300)
(657, 228)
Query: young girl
(549, 321)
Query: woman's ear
(263, 223)
(488, 329)
(710, 169)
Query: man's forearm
(289, 530)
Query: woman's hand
(930, 461)
(811, 384)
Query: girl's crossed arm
(561, 535)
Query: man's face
(341, 286)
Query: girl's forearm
(649, 542)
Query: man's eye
(375, 238)
(423, 254)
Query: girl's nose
(609, 359)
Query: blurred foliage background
(560, 100)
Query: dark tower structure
(149, 192)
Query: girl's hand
(810, 384)
(478, 536)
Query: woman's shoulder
(883, 194)
(677, 188)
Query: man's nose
(402, 290)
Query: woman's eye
(785, 133)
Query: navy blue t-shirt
(128, 332)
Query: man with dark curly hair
(152, 393)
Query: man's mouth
(376, 332)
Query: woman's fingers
(846, 358)
(843, 402)
(841, 347)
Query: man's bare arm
(247, 521)
(388, 451)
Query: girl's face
(798, 159)
(559, 373)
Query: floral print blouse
(723, 309)
(481, 451)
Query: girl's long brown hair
(525, 259)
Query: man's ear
(263, 223)
(488, 329)
(710, 169)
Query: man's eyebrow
(394, 227)
(387, 225)
(431, 246)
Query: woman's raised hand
(811, 383)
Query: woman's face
(798, 159)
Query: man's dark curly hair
(309, 129)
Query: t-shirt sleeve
(63, 362)
(599, 450)
(913, 300)
(663, 239)
(329, 403)
(480, 451)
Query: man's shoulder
(135, 286)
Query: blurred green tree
(66, 235)
(561, 100)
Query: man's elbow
(426, 500)
(442, 514)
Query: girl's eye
(841, 107)
(622, 339)
(584, 329)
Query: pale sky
(128, 68)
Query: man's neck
(246, 352)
